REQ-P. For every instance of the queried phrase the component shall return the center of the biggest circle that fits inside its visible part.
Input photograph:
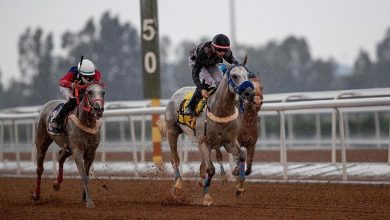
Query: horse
(247, 127)
(80, 138)
(216, 126)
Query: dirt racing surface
(150, 199)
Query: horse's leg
(218, 155)
(250, 151)
(239, 170)
(206, 156)
(88, 160)
(60, 176)
(172, 136)
(42, 143)
(78, 157)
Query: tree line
(115, 48)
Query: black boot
(58, 120)
(193, 101)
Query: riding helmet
(87, 68)
(221, 41)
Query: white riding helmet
(87, 68)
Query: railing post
(143, 144)
(283, 150)
(103, 144)
(133, 143)
(1, 140)
(388, 149)
(16, 145)
(334, 132)
(377, 128)
(343, 150)
(33, 148)
(318, 129)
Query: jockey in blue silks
(206, 74)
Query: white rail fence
(134, 137)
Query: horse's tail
(162, 127)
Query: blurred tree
(115, 50)
(363, 73)
(382, 67)
(36, 66)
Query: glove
(205, 94)
(75, 85)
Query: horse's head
(93, 100)
(258, 85)
(239, 83)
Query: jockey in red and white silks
(69, 82)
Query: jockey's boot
(190, 109)
(58, 121)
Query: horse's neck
(222, 103)
(250, 112)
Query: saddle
(50, 128)
(189, 120)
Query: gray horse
(247, 127)
(216, 126)
(80, 138)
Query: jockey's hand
(75, 85)
(205, 94)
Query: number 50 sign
(150, 48)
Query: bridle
(239, 89)
(87, 105)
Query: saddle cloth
(189, 120)
(50, 128)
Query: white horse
(216, 126)
(81, 137)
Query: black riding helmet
(221, 41)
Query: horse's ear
(245, 60)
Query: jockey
(84, 73)
(206, 74)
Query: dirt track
(125, 199)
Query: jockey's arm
(199, 64)
(68, 79)
(230, 58)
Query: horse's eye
(234, 76)
(103, 92)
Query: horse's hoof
(240, 189)
(208, 200)
(240, 193)
(247, 172)
(90, 204)
(35, 197)
(56, 186)
(178, 192)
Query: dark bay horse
(80, 138)
(216, 126)
(247, 127)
